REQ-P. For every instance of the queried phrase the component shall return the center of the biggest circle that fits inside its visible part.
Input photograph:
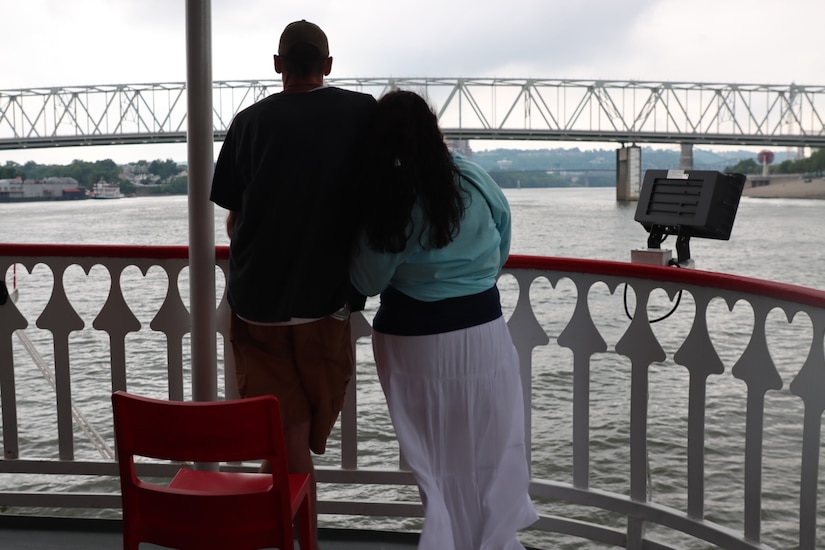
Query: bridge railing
(655, 396)
(622, 111)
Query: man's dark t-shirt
(287, 167)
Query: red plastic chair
(206, 509)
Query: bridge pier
(628, 173)
(686, 157)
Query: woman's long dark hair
(409, 163)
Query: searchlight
(685, 203)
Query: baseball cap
(303, 32)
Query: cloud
(83, 42)
(129, 41)
(485, 38)
(735, 41)
(93, 42)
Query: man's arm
(230, 222)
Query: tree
(127, 188)
(745, 166)
(34, 171)
(787, 166)
(527, 178)
(816, 162)
(165, 170)
(10, 171)
(88, 173)
(178, 186)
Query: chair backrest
(221, 431)
(228, 431)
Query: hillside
(593, 168)
(600, 159)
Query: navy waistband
(401, 315)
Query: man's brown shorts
(306, 366)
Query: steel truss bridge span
(624, 112)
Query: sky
(91, 42)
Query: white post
(201, 210)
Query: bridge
(625, 112)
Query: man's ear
(328, 66)
(277, 59)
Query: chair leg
(305, 534)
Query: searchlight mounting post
(658, 233)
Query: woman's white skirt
(455, 400)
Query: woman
(436, 234)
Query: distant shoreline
(792, 186)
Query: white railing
(644, 432)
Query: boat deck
(38, 533)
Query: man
(286, 174)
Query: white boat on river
(106, 190)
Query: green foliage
(548, 178)
(127, 188)
(86, 173)
(178, 186)
(510, 168)
(10, 171)
(527, 178)
(813, 165)
(164, 169)
(89, 173)
(785, 167)
(745, 166)
(596, 161)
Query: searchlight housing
(688, 203)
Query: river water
(772, 239)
